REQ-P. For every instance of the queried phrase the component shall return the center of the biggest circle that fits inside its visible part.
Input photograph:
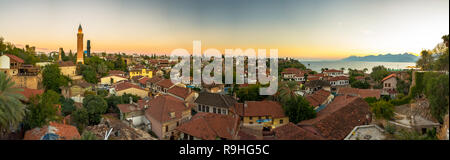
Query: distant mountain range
(405, 57)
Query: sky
(308, 29)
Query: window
(250, 118)
(214, 109)
(207, 108)
(167, 128)
(199, 108)
(281, 121)
(219, 111)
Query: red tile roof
(15, 58)
(291, 131)
(65, 63)
(126, 108)
(126, 85)
(210, 126)
(143, 80)
(155, 79)
(291, 71)
(359, 77)
(363, 93)
(28, 93)
(260, 108)
(166, 83)
(337, 120)
(116, 72)
(338, 78)
(161, 107)
(180, 91)
(318, 97)
(388, 77)
(65, 132)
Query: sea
(360, 65)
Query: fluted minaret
(60, 56)
(80, 45)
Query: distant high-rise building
(88, 48)
(80, 45)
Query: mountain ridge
(405, 57)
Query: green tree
(42, 110)
(378, 73)
(81, 118)
(11, 108)
(360, 84)
(298, 109)
(113, 101)
(287, 91)
(425, 61)
(67, 106)
(88, 136)
(52, 78)
(437, 92)
(382, 109)
(95, 106)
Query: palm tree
(287, 91)
(11, 108)
(365, 70)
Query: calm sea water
(318, 65)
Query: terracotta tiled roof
(363, 93)
(339, 117)
(318, 97)
(126, 85)
(116, 72)
(317, 83)
(166, 83)
(65, 63)
(313, 78)
(115, 75)
(64, 132)
(338, 78)
(291, 131)
(291, 71)
(161, 107)
(332, 71)
(83, 83)
(215, 99)
(259, 108)
(28, 93)
(359, 77)
(180, 91)
(209, 126)
(15, 58)
(155, 79)
(390, 76)
(143, 80)
(126, 108)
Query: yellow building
(128, 88)
(67, 68)
(143, 72)
(111, 79)
(266, 113)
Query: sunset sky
(310, 29)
